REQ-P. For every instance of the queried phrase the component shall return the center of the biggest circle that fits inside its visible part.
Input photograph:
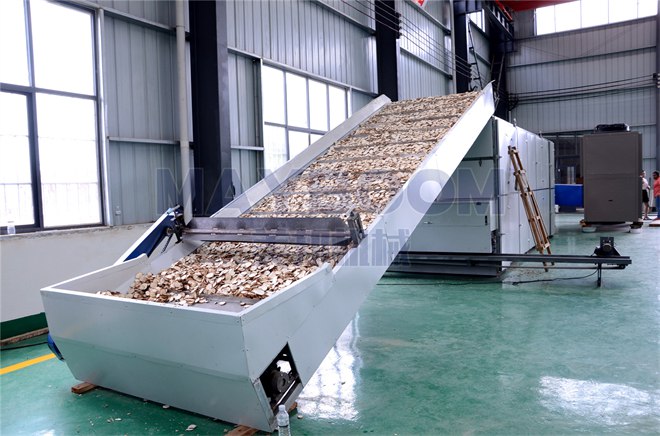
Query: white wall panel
(632, 107)
(140, 73)
(602, 40)
(140, 95)
(305, 35)
(246, 168)
(424, 64)
(245, 121)
(158, 11)
(144, 180)
(418, 79)
(615, 62)
(359, 100)
(360, 11)
(243, 105)
(423, 36)
(583, 71)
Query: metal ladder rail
(532, 211)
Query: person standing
(645, 196)
(656, 192)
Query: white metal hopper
(217, 360)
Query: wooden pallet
(541, 240)
(83, 387)
(242, 430)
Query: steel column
(210, 106)
(387, 49)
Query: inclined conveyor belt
(241, 351)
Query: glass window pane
(621, 10)
(337, 106)
(567, 16)
(63, 47)
(273, 94)
(274, 147)
(477, 18)
(313, 138)
(15, 177)
(318, 105)
(298, 141)
(13, 48)
(647, 8)
(296, 100)
(68, 160)
(545, 20)
(593, 13)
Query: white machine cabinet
(479, 209)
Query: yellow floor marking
(17, 366)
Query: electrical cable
(583, 96)
(624, 86)
(396, 18)
(408, 22)
(586, 53)
(584, 91)
(433, 49)
(516, 283)
(23, 346)
(646, 77)
(415, 42)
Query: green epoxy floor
(430, 356)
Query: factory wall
(312, 37)
(326, 40)
(137, 136)
(425, 62)
(140, 94)
(619, 60)
(330, 41)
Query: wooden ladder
(531, 206)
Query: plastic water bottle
(283, 422)
(11, 228)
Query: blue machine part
(168, 225)
(53, 348)
(569, 195)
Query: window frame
(290, 128)
(31, 91)
(610, 21)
